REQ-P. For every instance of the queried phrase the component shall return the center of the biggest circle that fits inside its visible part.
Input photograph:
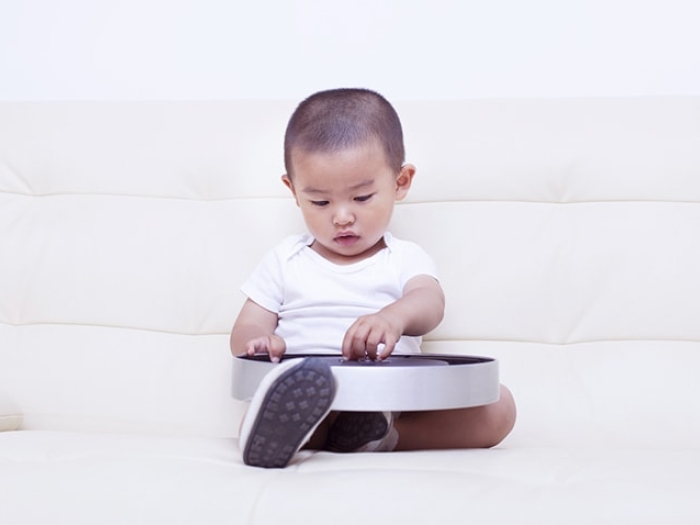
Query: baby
(347, 287)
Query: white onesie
(316, 300)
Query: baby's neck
(344, 260)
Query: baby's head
(338, 119)
(344, 158)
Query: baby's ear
(286, 179)
(404, 180)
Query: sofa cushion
(10, 413)
(112, 479)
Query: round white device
(399, 383)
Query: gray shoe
(358, 431)
(286, 409)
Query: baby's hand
(272, 344)
(368, 332)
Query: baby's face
(347, 199)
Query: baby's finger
(250, 348)
(389, 345)
(346, 346)
(353, 345)
(275, 355)
(276, 347)
(374, 339)
(257, 346)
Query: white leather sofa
(567, 233)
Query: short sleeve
(414, 261)
(265, 285)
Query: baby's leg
(474, 427)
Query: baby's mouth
(346, 239)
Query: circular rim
(399, 383)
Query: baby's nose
(342, 217)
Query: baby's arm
(253, 333)
(418, 311)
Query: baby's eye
(319, 203)
(364, 198)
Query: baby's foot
(290, 403)
(362, 432)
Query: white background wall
(223, 49)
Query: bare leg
(474, 427)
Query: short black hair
(336, 119)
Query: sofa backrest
(565, 232)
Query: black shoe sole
(294, 405)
